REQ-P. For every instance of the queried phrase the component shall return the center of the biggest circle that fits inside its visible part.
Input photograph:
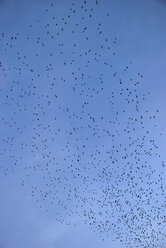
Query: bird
(74, 129)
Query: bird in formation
(76, 127)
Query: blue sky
(58, 83)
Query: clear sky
(82, 124)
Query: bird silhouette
(74, 128)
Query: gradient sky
(139, 26)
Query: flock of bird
(75, 127)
